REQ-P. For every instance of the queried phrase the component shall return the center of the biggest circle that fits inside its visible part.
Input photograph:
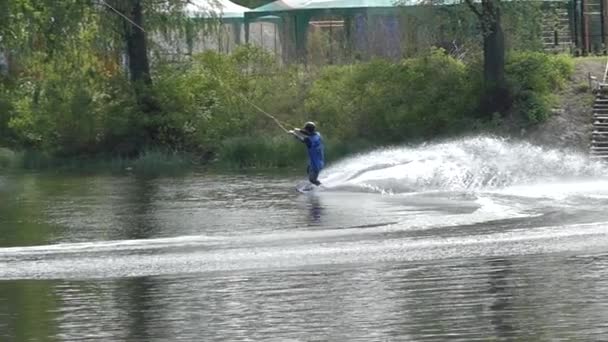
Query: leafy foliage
(216, 97)
(533, 77)
(387, 102)
(69, 94)
(207, 105)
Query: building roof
(215, 8)
(290, 5)
(293, 5)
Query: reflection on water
(140, 199)
(27, 311)
(315, 209)
(500, 281)
(329, 266)
(466, 299)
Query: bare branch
(473, 8)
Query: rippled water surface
(476, 239)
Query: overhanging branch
(474, 9)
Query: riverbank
(202, 125)
(570, 125)
(148, 163)
(245, 154)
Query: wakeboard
(306, 187)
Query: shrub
(7, 158)
(218, 97)
(533, 78)
(7, 136)
(212, 105)
(159, 162)
(260, 152)
(279, 152)
(393, 102)
(583, 87)
(538, 72)
(66, 112)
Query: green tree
(134, 35)
(135, 18)
(68, 68)
(497, 98)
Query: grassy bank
(66, 121)
(278, 152)
(234, 154)
(149, 163)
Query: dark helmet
(309, 127)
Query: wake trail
(573, 239)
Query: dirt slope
(570, 125)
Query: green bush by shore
(148, 163)
(66, 117)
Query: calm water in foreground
(404, 251)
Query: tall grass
(277, 152)
(259, 152)
(8, 158)
(262, 153)
(160, 163)
(148, 163)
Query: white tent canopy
(215, 8)
(224, 35)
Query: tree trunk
(137, 50)
(134, 35)
(497, 97)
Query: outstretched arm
(301, 136)
(297, 134)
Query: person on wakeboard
(314, 144)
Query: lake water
(475, 239)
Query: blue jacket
(314, 144)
